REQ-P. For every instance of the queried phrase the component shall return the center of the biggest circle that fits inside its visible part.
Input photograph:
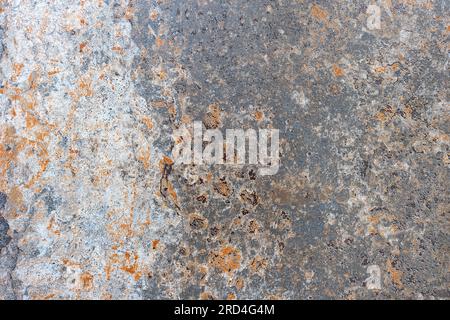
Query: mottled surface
(92, 205)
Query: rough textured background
(91, 205)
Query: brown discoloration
(258, 264)
(338, 71)
(159, 42)
(83, 46)
(53, 72)
(396, 275)
(253, 227)
(130, 265)
(223, 188)
(148, 122)
(226, 260)
(153, 15)
(249, 197)
(117, 49)
(386, 114)
(319, 13)
(17, 67)
(85, 88)
(144, 156)
(87, 281)
(197, 221)
(231, 296)
(258, 115)
(207, 296)
(239, 283)
(212, 119)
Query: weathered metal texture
(92, 205)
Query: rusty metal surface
(93, 205)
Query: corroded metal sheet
(95, 205)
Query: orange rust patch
(319, 13)
(161, 74)
(129, 13)
(30, 120)
(380, 69)
(385, 114)
(231, 296)
(396, 275)
(338, 71)
(83, 46)
(131, 268)
(85, 88)
(16, 197)
(222, 188)
(258, 115)
(172, 193)
(258, 263)
(153, 15)
(17, 67)
(206, 296)
(147, 121)
(212, 118)
(87, 281)
(395, 66)
(117, 49)
(159, 42)
(226, 260)
(197, 221)
(239, 283)
(53, 72)
(155, 244)
(165, 161)
(144, 157)
(50, 227)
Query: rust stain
(226, 260)
(147, 121)
(338, 71)
(144, 156)
(87, 281)
(85, 88)
(53, 72)
(50, 227)
(83, 46)
(223, 188)
(380, 69)
(396, 275)
(165, 161)
(153, 15)
(159, 42)
(258, 115)
(385, 114)
(319, 13)
(17, 68)
(30, 120)
(117, 49)
(258, 264)
(131, 268)
(231, 296)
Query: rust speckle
(153, 15)
(338, 71)
(83, 46)
(258, 115)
